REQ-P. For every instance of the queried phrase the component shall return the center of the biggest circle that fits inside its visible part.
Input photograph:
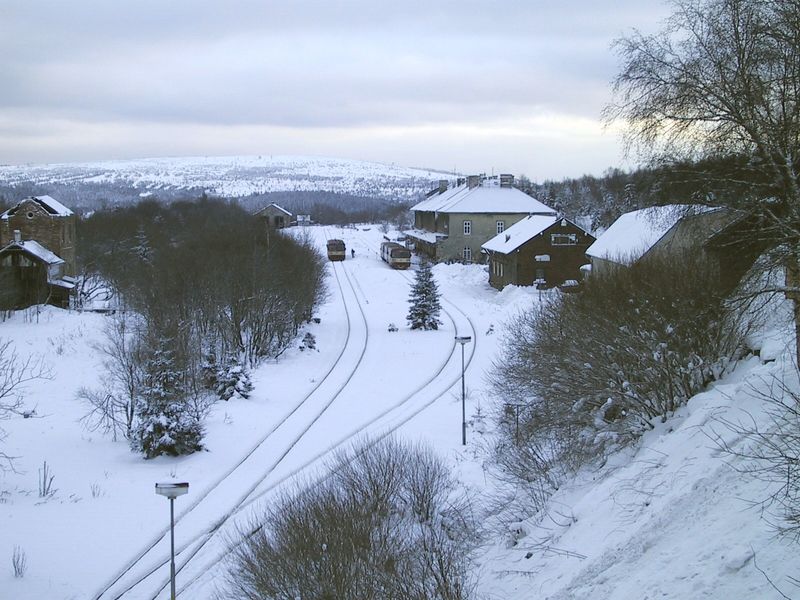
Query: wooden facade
(545, 251)
(30, 274)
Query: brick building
(45, 220)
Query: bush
(594, 370)
(387, 522)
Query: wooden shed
(31, 274)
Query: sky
(471, 86)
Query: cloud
(307, 65)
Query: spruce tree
(166, 425)
(424, 299)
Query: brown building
(540, 249)
(45, 220)
(274, 216)
(31, 274)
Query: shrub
(594, 370)
(387, 521)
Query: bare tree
(15, 373)
(719, 86)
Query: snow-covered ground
(667, 519)
(236, 176)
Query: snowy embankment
(670, 518)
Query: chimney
(473, 181)
(506, 180)
(443, 183)
(17, 235)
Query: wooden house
(545, 250)
(452, 223)
(275, 217)
(45, 220)
(31, 274)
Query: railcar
(396, 255)
(336, 250)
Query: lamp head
(463, 339)
(172, 490)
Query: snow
(519, 233)
(55, 207)
(36, 249)
(235, 176)
(483, 199)
(668, 518)
(634, 233)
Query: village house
(37, 253)
(640, 233)
(452, 224)
(545, 250)
(275, 216)
(45, 220)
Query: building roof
(519, 233)
(635, 233)
(35, 249)
(488, 197)
(48, 203)
(425, 236)
(273, 205)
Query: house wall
(23, 283)
(56, 233)
(274, 217)
(520, 267)
(484, 228)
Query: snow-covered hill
(234, 176)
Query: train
(336, 249)
(396, 255)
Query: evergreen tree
(424, 300)
(166, 425)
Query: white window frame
(466, 254)
(571, 239)
(501, 227)
(467, 227)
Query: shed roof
(484, 198)
(635, 233)
(36, 250)
(273, 205)
(48, 203)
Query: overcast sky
(513, 86)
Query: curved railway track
(110, 590)
(381, 424)
(377, 424)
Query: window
(540, 274)
(563, 239)
(501, 227)
(467, 227)
(467, 254)
(497, 268)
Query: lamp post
(463, 339)
(172, 491)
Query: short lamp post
(463, 340)
(172, 491)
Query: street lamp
(172, 491)
(463, 339)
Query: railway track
(120, 585)
(379, 426)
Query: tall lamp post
(172, 491)
(463, 340)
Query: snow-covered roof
(484, 198)
(48, 203)
(519, 233)
(634, 233)
(273, 205)
(425, 236)
(34, 248)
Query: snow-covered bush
(226, 379)
(309, 342)
(165, 424)
(594, 370)
(387, 522)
